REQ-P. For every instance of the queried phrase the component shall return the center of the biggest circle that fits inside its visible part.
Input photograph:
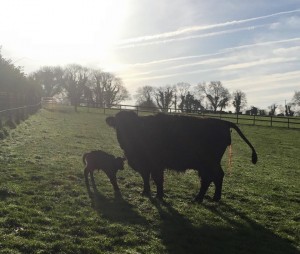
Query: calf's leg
(86, 174)
(113, 181)
(93, 179)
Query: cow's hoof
(146, 193)
(118, 194)
(159, 197)
(198, 199)
(216, 199)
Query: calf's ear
(111, 121)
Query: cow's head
(123, 118)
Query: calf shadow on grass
(115, 209)
(241, 235)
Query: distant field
(45, 208)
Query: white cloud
(291, 51)
(292, 22)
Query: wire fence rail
(15, 115)
(257, 120)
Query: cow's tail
(254, 154)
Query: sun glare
(73, 29)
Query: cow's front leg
(158, 178)
(146, 180)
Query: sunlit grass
(45, 208)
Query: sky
(253, 46)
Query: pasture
(45, 207)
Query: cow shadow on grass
(240, 235)
(115, 209)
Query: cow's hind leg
(158, 178)
(218, 181)
(205, 182)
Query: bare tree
(97, 87)
(217, 95)
(272, 108)
(296, 98)
(239, 100)
(144, 98)
(181, 90)
(144, 94)
(164, 97)
(50, 78)
(75, 80)
(107, 88)
(114, 90)
(189, 104)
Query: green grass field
(45, 208)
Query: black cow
(157, 142)
(104, 161)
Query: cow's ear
(111, 121)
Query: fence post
(237, 118)
(288, 122)
(25, 112)
(271, 121)
(17, 116)
(137, 110)
(253, 119)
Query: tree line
(205, 97)
(77, 84)
(73, 83)
(15, 88)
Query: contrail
(133, 45)
(199, 28)
(223, 51)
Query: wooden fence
(271, 121)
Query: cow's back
(190, 142)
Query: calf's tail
(254, 154)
